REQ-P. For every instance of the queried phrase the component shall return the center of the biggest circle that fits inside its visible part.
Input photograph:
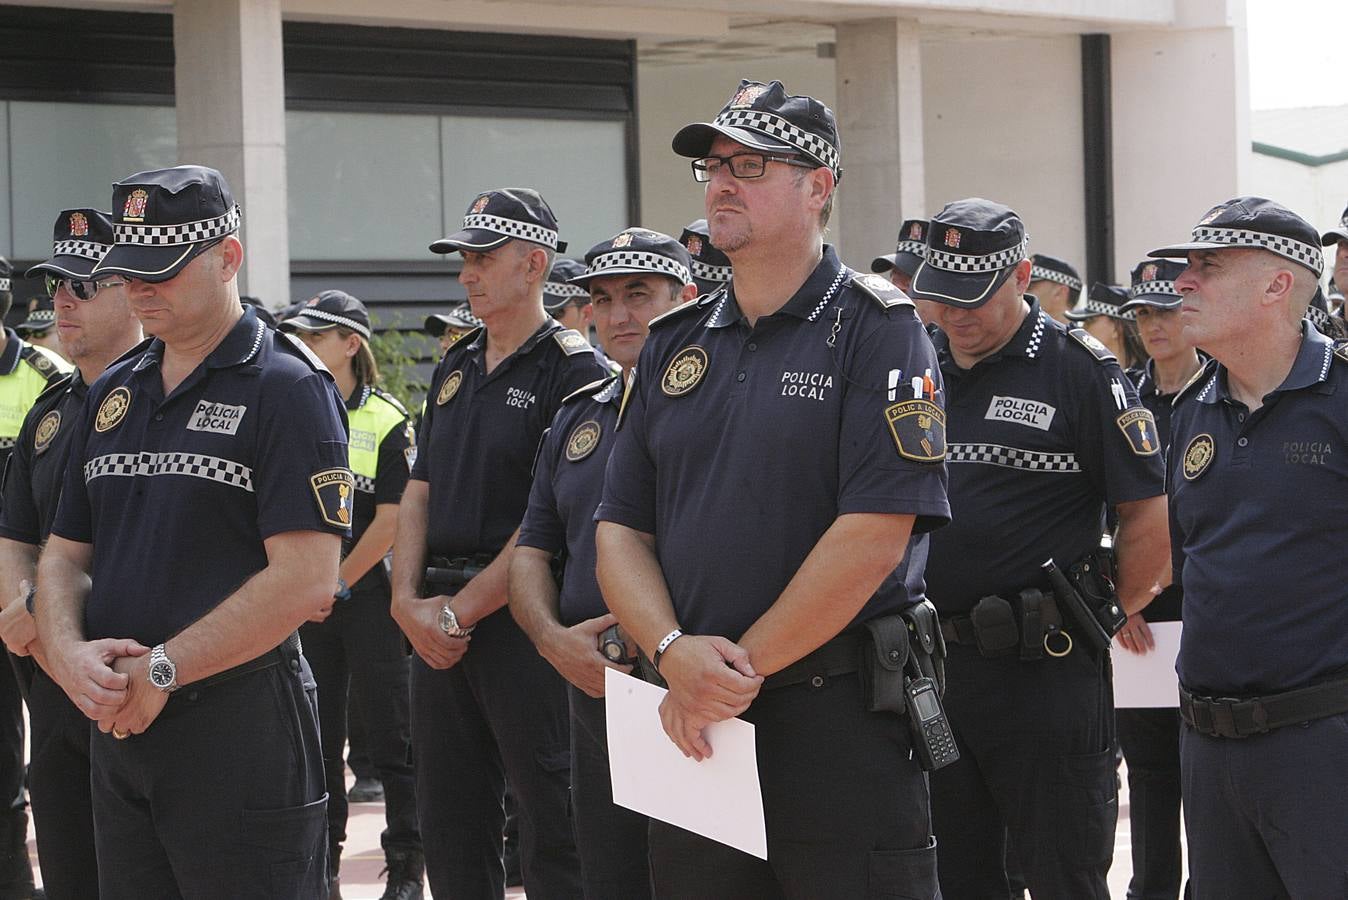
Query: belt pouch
(883, 671)
(926, 641)
(994, 626)
(1031, 624)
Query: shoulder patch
(588, 390)
(55, 387)
(43, 364)
(1139, 428)
(333, 489)
(1092, 343)
(572, 342)
(881, 290)
(918, 428)
(683, 308)
(389, 399)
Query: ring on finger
(119, 734)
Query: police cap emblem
(113, 409)
(480, 204)
(1198, 456)
(952, 237)
(134, 210)
(46, 430)
(1139, 428)
(1148, 272)
(334, 490)
(79, 224)
(685, 371)
(746, 95)
(918, 427)
(583, 440)
(623, 239)
(694, 245)
(449, 387)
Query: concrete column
(230, 85)
(1178, 154)
(879, 82)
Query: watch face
(447, 621)
(162, 674)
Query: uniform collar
(241, 345)
(1311, 367)
(806, 303)
(1146, 381)
(479, 341)
(1027, 342)
(612, 392)
(359, 397)
(9, 360)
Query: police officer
(448, 327)
(485, 706)
(566, 302)
(1258, 517)
(1056, 284)
(1318, 314)
(101, 327)
(765, 507)
(630, 278)
(353, 643)
(1102, 315)
(711, 267)
(38, 329)
(900, 266)
(208, 488)
(1046, 431)
(1149, 738)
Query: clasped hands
(710, 680)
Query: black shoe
(406, 871)
(366, 790)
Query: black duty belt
(289, 649)
(837, 657)
(1235, 717)
(960, 629)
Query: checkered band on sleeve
(343, 321)
(364, 483)
(525, 231)
(1319, 318)
(710, 273)
(775, 126)
(192, 465)
(917, 248)
(86, 249)
(561, 289)
(1039, 273)
(4, 284)
(1012, 458)
(959, 262)
(1153, 287)
(8, 443)
(639, 259)
(1286, 247)
(186, 233)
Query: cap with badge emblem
(459, 316)
(1253, 223)
(1153, 284)
(765, 117)
(636, 251)
(330, 309)
(1334, 235)
(973, 245)
(81, 238)
(909, 252)
(164, 218)
(1103, 300)
(41, 317)
(498, 216)
(558, 290)
(1049, 268)
(710, 267)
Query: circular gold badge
(685, 372)
(46, 430)
(449, 388)
(113, 410)
(1198, 456)
(583, 440)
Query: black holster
(882, 670)
(925, 641)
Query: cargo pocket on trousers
(902, 874)
(286, 847)
(1086, 809)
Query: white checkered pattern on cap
(639, 259)
(917, 248)
(1096, 308)
(1286, 247)
(1039, 273)
(86, 249)
(1012, 458)
(525, 231)
(186, 233)
(775, 126)
(561, 289)
(1153, 287)
(341, 320)
(710, 273)
(193, 465)
(1319, 318)
(960, 262)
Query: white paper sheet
(718, 798)
(1148, 680)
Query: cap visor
(1181, 251)
(969, 290)
(694, 141)
(907, 263)
(585, 279)
(882, 264)
(303, 323)
(77, 267)
(153, 264)
(1155, 301)
(1333, 236)
(471, 239)
(435, 325)
(30, 327)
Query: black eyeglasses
(82, 290)
(744, 165)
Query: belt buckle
(1223, 713)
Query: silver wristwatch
(163, 673)
(449, 623)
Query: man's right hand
(419, 618)
(18, 628)
(710, 679)
(574, 653)
(84, 671)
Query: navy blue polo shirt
(177, 493)
(481, 432)
(1166, 607)
(568, 484)
(1259, 520)
(740, 446)
(1043, 435)
(36, 468)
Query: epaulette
(1341, 350)
(55, 387)
(40, 362)
(881, 290)
(1092, 343)
(588, 390)
(695, 303)
(305, 353)
(572, 342)
(389, 399)
(1200, 377)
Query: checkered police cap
(709, 265)
(80, 240)
(634, 251)
(766, 117)
(1256, 223)
(498, 216)
(973, 245)
(1049, 268)
(1152, 283)
(1103, 300)
(1334, 235)
(909, 250)
(559, 283)
(330, 309)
